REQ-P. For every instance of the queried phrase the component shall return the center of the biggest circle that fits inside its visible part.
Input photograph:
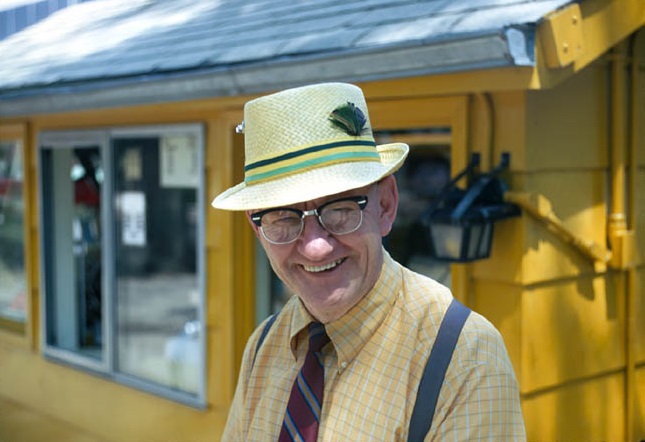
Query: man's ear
(389, 203)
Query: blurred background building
(126, 301)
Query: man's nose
(314, 241)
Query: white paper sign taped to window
(179, 162)
(133, 228)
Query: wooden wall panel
(566, 127)
(589, 410)
(639, 409)
(571, 330)
(578, 199)
(501, 304)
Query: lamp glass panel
(486, 240)
(447, 239)
(473, 248)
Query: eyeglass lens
(338, 217)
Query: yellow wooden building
(126, 301)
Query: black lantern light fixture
(460, 222)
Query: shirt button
(343, 365)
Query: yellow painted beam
(561, 36)
(568, 44)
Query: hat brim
(314, 183)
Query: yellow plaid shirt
(373, 370)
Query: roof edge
(512, 47)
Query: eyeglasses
(338, 217)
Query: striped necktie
(305, 403)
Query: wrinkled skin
(331, 273)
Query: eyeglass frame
(360, 200)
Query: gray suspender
(263, 335)
(434, 372)
(432, 379)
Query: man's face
(331, 273)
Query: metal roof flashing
(521, 44)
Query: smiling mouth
(329, 266)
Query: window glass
(72, 181)
(12, 260)
(420, 180)
(157, 292)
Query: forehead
(306, 205)
(353, 192)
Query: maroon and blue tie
(303, 410)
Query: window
(13, 285)
(122, 220)
(420, 180)
(72, 199)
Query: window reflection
(157, 298)
(72, 184)
(420, 181)
(12, 265)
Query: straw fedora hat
(306, 143)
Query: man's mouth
(329, 266)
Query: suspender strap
(263, 335)
(435, 370)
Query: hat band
(311, 157)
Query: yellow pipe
(489, 125)
(618, 128)
(617, 218)
(619, 235)
(637, 87)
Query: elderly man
(366, 350)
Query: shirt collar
(351, 332)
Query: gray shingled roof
(158, 50)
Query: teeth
(315, 269)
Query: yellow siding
(575, 320)
(577, 411)
(639, 411)
(572, 330)
(501, 303)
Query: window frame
(107, 366)
(419, 112)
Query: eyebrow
(340, 198)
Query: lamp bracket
(483, 183)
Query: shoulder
(265, 334)
(423, 302)
(481, 343)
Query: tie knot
(317, 336)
